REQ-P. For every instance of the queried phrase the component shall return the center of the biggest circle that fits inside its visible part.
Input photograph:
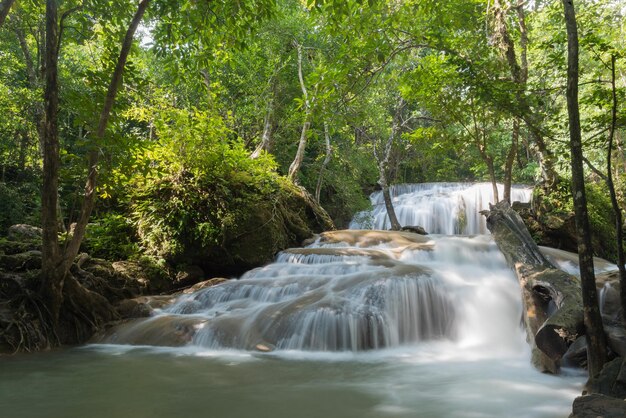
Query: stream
(361, 323)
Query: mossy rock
(551, 221)
(227, 228)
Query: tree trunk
(596, 341)
(318, 188)
(90, 187)
(552, 299)
(52, 276)
(510, 159)
(519, 74)
(33, 83)
(619, 227)
(294, 168)
(5, 6)
(383, 165)
(494, 181)
(266, 137)
(56, 263)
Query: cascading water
(352, 290)
(440, 208)
(361, 323)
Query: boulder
(207, 283)
(576, 354)
(612, 379)
(143, 306)
(598, 406)
(147, 278)
(415, 229)
(189, 275)
(24, 232)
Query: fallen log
(552, 298)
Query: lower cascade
(349, 291)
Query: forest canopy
(338, 97)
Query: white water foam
(440, 208)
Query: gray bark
(596, 340)
(614, 202)
(294, 168)
(318, 188)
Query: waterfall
(440, 208)
(349, 291)
(360, 323)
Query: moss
(553, 222)
(226, 225)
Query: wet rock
(576, 354)
(415, 229)
(310, 240)
(207, 283)
(598, 406)
(21, 232)
(132, 308)
(264, 347)
(616, 338)
(612, 380)
(189, 275)
(143, 306)
(163, 331)
(147, 278)
(610, 304)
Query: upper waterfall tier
(441, 208)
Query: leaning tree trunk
(4, 10)
(596, 340)
(90, 187)
(264, 145)
(391, 212)
(382, 161)
(552, 299)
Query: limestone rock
(415, 229)
(576, 354)
(146, 278)
(189, 275)
(207, 283)
(598, 406)
(24, 232)
(612, 380)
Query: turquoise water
(433, 380)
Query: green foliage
(19, 203)
(11, 207)
(556, 210)
(203, 185)
(112, 237)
